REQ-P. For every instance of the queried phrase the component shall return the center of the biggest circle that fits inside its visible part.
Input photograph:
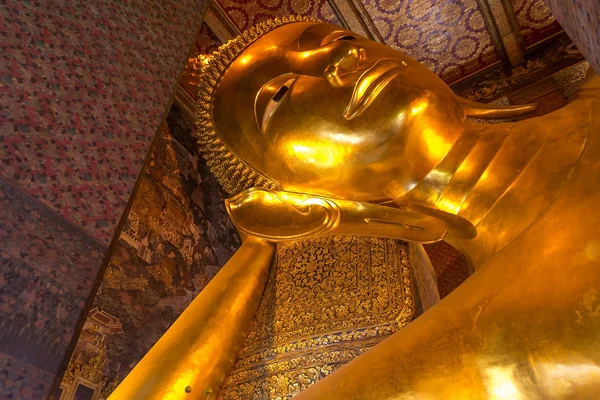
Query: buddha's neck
(502, 177)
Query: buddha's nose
(346, 59)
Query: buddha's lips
(370, 84)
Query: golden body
(337, 134)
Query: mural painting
(176, 238)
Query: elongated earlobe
(474, 109)
(279, 216)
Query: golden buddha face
(323, 111)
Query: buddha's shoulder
(576, 207)
(571, 223)
(580, 193)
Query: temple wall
(176, 238)
(207, 41)
(581, 20)
(553, 65)
(84, 88)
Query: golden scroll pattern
(327, 300)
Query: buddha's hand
(280, 216)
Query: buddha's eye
(338, 37)
(276, 99)
(347, 37)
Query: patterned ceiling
(427, 30)
(454, 38)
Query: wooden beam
(505, 31)
(492, 28)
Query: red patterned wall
(84, 87)
(86, 84)
(581, 20)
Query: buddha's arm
(200, 347)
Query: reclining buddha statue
(320, 135)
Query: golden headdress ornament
(232, 172)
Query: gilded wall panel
(327, 300)
(449, 37)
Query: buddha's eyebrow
(311, 52)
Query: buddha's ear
(474, 109)
(280, 216)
